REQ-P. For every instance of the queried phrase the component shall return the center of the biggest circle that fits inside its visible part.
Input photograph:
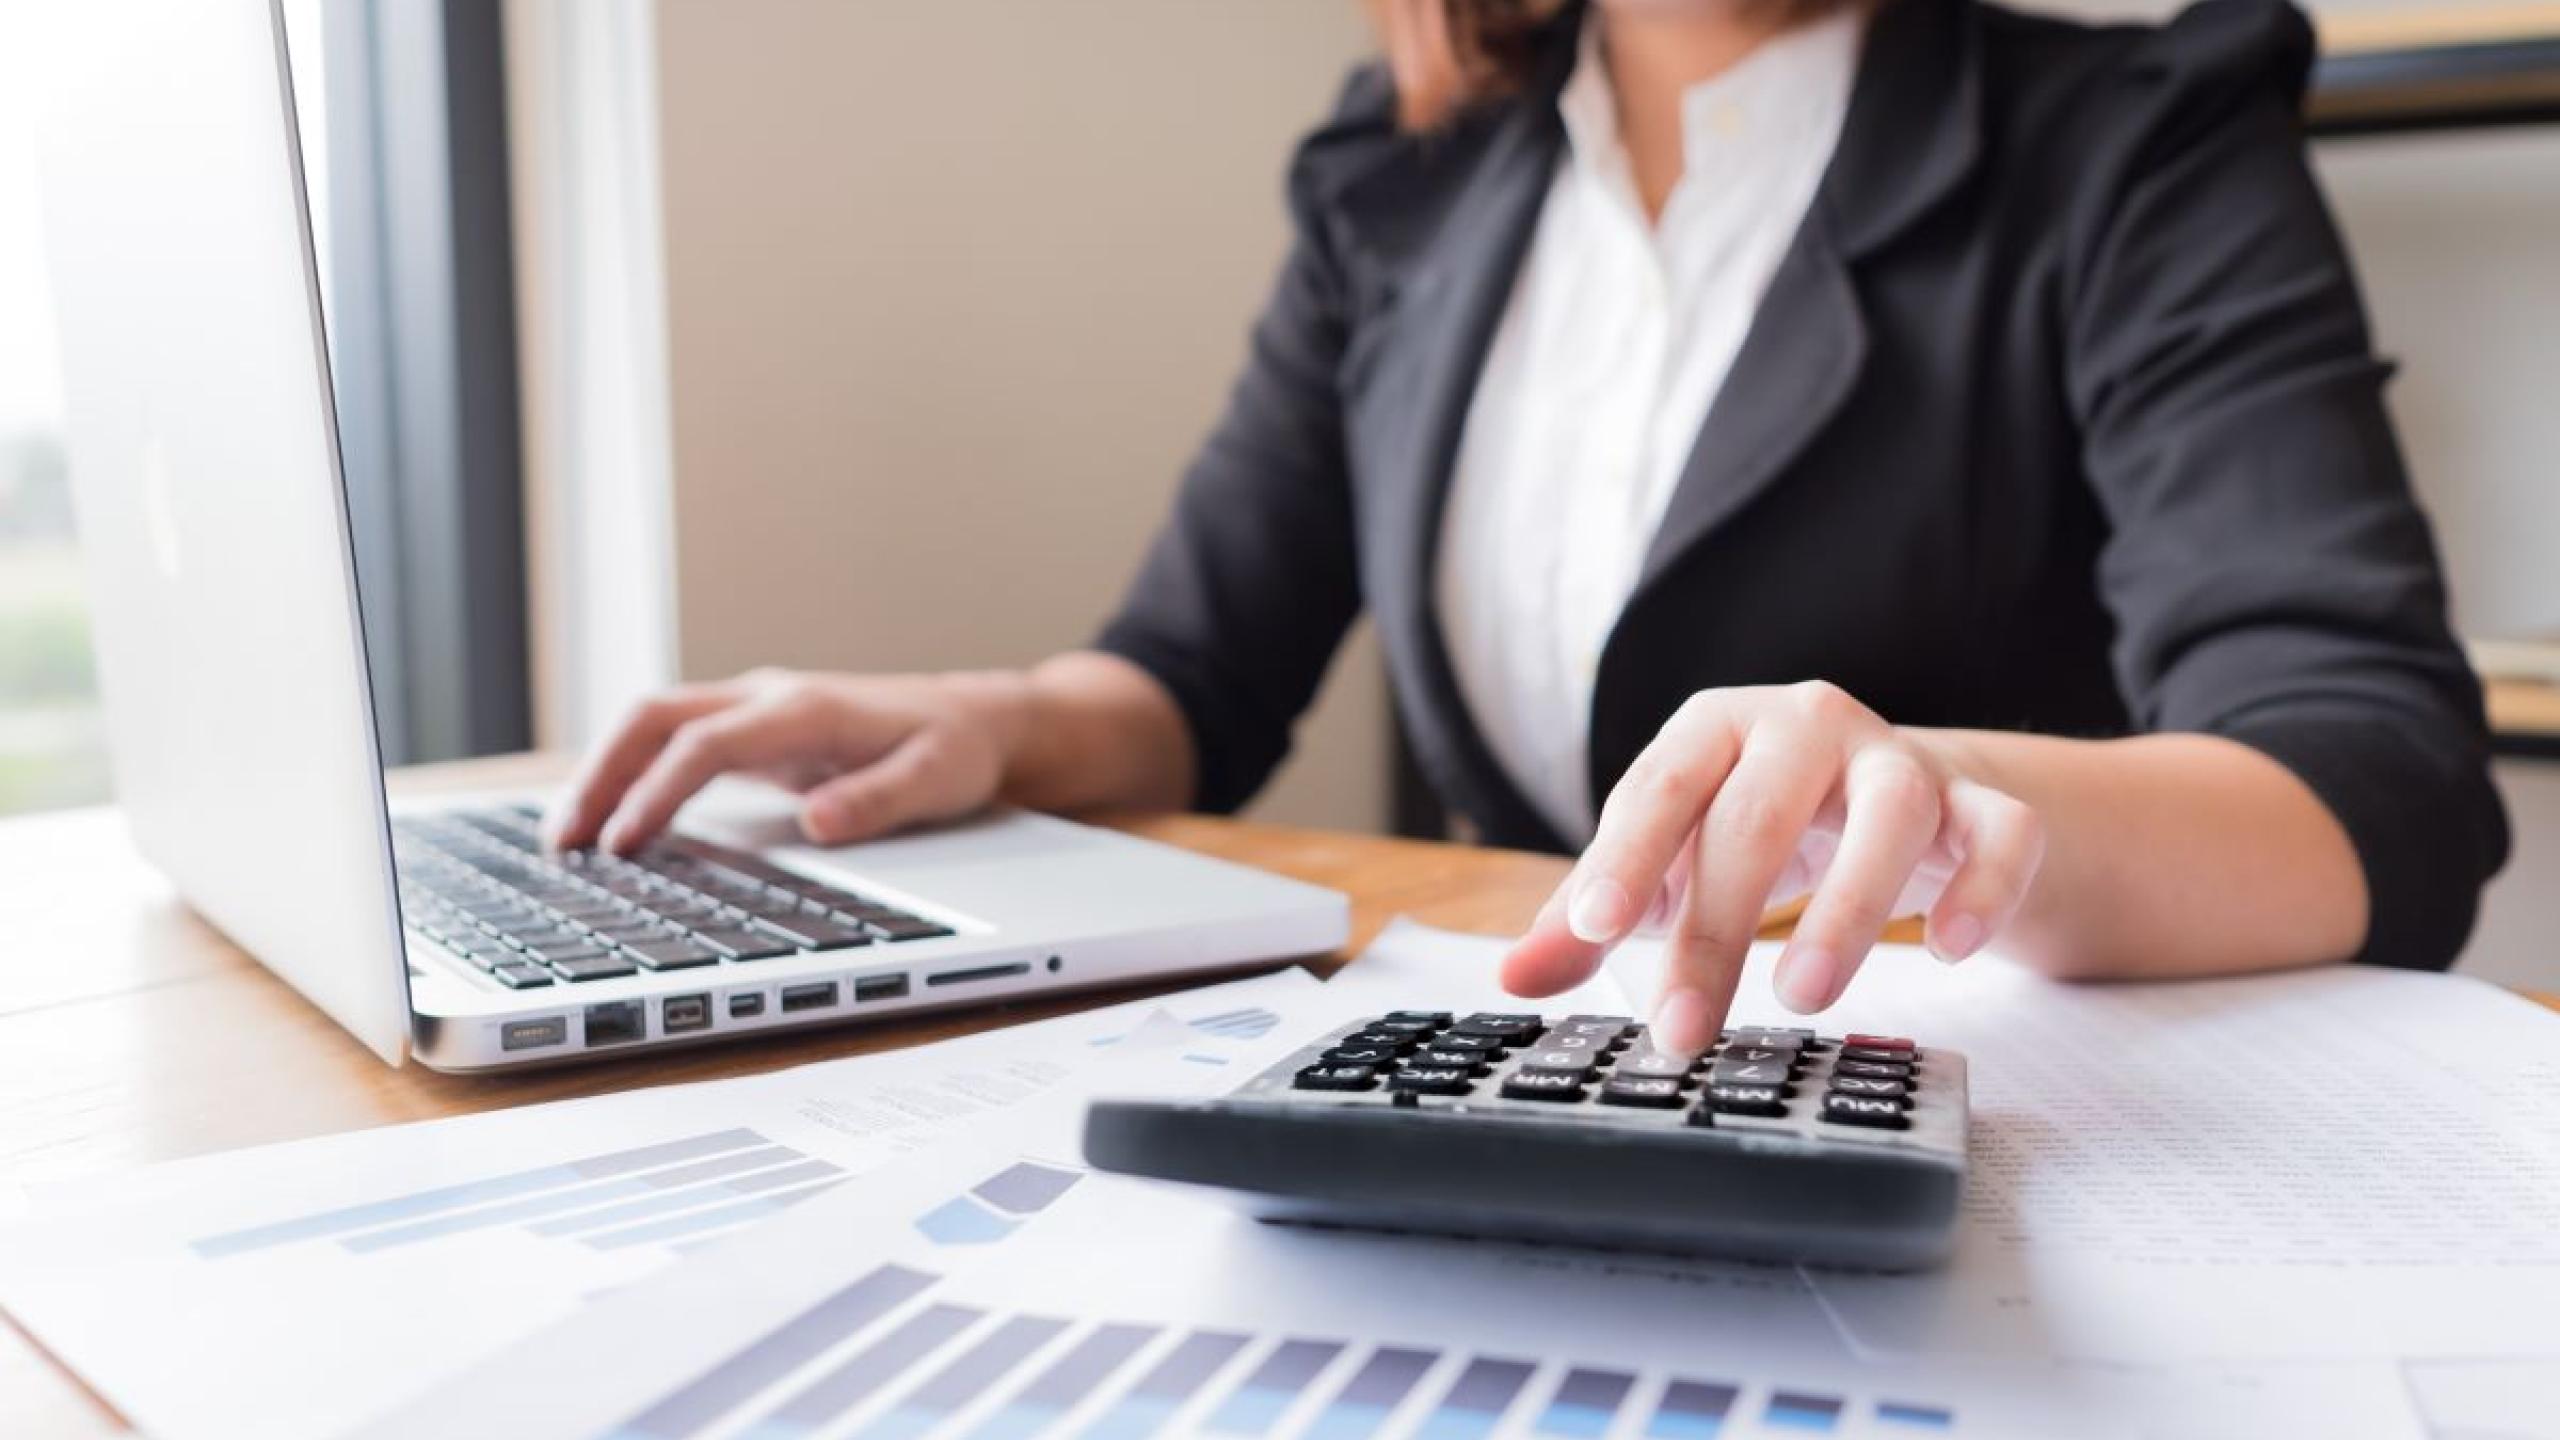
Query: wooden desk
(145, 1036)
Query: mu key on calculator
(1777, 1144)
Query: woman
(1916, 454)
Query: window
(52, 742)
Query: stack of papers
(2319, 1204)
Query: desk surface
(149, 1037)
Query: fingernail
(1956, 938)
(1598, 911)
(1806, 979)
(1680, 1023)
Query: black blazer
(2060, 415)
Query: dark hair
(1447, 54)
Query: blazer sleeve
(2271, 576)
(1247, 591)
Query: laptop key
(909, 929)
(815, 934)
(745, 944)
(670, 954)
(521, 975)
(597, 967)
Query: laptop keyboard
(480, 883)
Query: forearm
(1089, 731)
(2169, 855)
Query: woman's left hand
(1751, 797)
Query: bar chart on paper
(676, 1193)
(890, 1356)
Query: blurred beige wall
(953, 290)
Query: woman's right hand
(867, 753)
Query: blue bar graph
(786, 1348)
(446, 1198)
(695, 1222)
(1026, 1188)
(1476, 1400)
(964, 1378)
(1063, 1386)
(1585, 1404)
(1690, 1410)
(993, 1208)
(864, 1373)
(759, 1182)
(1167, 1387)
(1793, 1410)
(1916, 1417)
(653, 1184)
(1257, 1404)
(1371, 1394)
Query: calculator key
(1641, 1091)
(1433, 1018)
(1379, 1055)
(1757, 1055)
(1541, 1085)
(1336, 1077)
(1654, 1065)
(1747, 1099)
(1390, 1025)
(1484, 1045)
(1434, 1079)
(1577, 1063)
(1382, 1039)
(1562, 1039)
(1884, 1057)
(1729, 1071)
(1599, 1032)
(1623, 1022)
(1871, 1069)
(1467, 1060)
(1510, 1029)
(1861, 1085)
(1866, 1110)
(1877, 1042)
(1766, 1039)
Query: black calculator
(1777, 1144)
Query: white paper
(2347, 1161)
(212, 1297)
(1399, 1324)
(2488, 1399)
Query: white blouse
(1617, 337)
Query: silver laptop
(213, 515)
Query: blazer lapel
(1913, 134)
(1796, 366)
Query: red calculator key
(1878, 1042)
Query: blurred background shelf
(2436, 67)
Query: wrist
(1002, 704)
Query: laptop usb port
(808, 997)
(983, 972)
(616, 1022)
(679, 1013)
(878, 987)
